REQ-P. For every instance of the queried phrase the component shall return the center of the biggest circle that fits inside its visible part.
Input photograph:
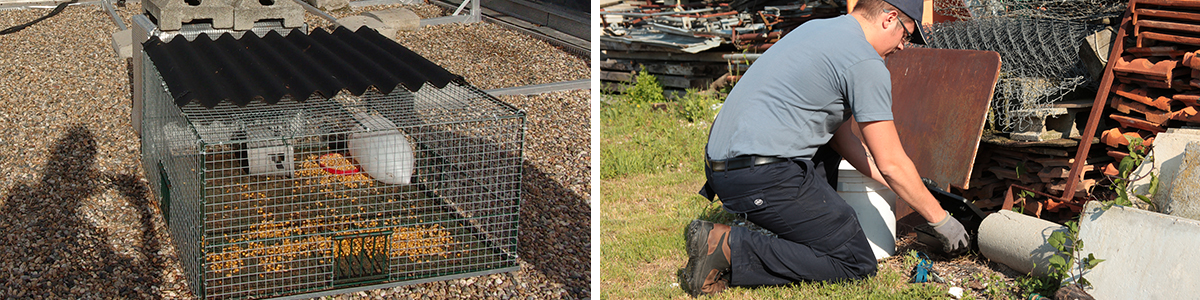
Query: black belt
(741, 162)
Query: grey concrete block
(1094, 52)
(1184, 199)
(1147, 255)
(1168, 156)
(1184, 130)
(355, 22)
(246, 12)
(122, 42)
(398, 18)
(171, 14)
(1045, 124)
(328, 5)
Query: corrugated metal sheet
(272, 66)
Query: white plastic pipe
(1018, 241)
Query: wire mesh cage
(330, 193)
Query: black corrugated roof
(240, 70)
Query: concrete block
(1184, 130)
(171, 14)
(246, 12)
(1147, 255)
(397, 18)
(1094, 54)
(355, 22)
(328, 5)
(1043, 124)
(1184, 197)
(1168, 156)
(122, 42)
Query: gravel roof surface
(79, 220)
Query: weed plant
(645, 89)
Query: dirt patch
(979, 277)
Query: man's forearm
(898, 170)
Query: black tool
(962, 210)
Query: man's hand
(952, 235)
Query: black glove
(952, 235)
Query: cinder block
(399, 18)
(355, 22)
(171, 14)
(123, 43)
(1046, 124)
(328, 5)
(246, 12)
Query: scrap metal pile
(682, 44)
(691, 28)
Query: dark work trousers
(819, 235)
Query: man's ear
(889, 17)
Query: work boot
(707, 271)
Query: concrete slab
(328, 5)
(246, 12)
(1168, 155)
(398, 18)
(122, 42)
(1185, 130)
(1147, 255)
(171, 14)
(355, 22)
(1184, 199)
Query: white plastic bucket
(874, 204)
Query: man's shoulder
(839, 37)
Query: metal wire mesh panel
(172, 162)
(1066, 10)
(1040, 61)
(322, 194)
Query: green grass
(651, 168)
(639, 139)
(642, 221)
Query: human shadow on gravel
(555, 231)
(50, 250)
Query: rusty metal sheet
(1106, 85)
(940, 99)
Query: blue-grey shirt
(801, 90)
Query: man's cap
(914, 9)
